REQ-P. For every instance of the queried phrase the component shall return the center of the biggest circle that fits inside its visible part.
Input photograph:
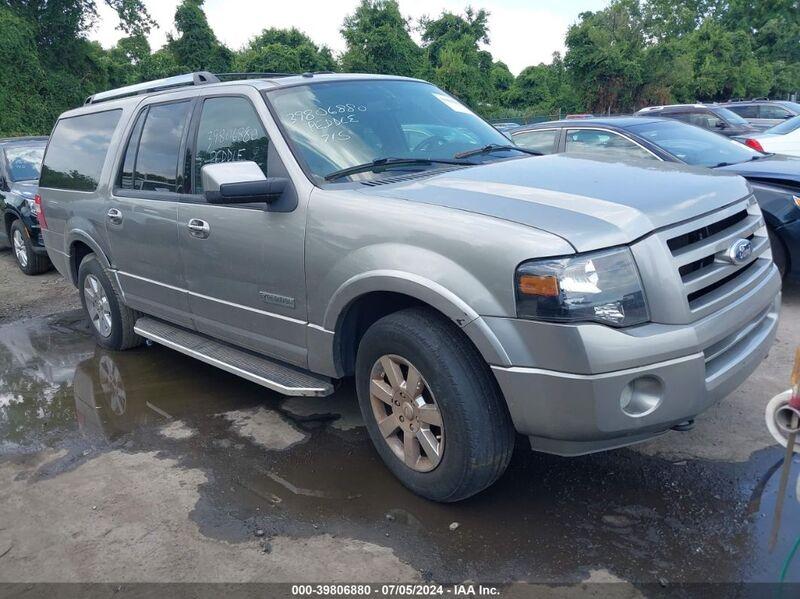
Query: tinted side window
(747, 112)
(229, 131)
(129, 163)
(77, 151)
(770, 111)
(604, 143)
(157, 158)
(706, 120)
(539, 141)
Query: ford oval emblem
(740, 251)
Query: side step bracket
(271, 374)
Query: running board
(279, 377)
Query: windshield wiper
(493, 148)
(383, 162)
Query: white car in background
(780, 139)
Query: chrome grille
(699, 250)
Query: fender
(80, 235)
(395, 281)
(418, 287)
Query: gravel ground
(24, 297)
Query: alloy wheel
(406, 412)
(20, 251)
(97, 305)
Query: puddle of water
(641, 518)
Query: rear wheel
(431, 405)
(28, 261)
(111, 321)
(778, 252)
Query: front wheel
(432, 407)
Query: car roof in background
(610, 121)
(29, 140)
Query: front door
(243, 264)
(141, 216)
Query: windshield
(793, 106)
(729, 115)
(24, 162)
(694, 145)
(343, 124)
(785, 127)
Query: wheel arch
(368, 297)
(79, 245)
(9, 216)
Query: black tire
(478, 433)
(123, 319)
(34, 264)
(778, 252)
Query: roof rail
(198, 78)
(234, 76)
(256, 75)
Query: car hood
(25, 189)
(776, 168)
(591, 202)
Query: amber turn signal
(546, 286)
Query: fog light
(641, 396)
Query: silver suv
(302, 229)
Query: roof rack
(256, 75)
(198, 78)
(234, 76)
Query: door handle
(114, 216)
(198, 228)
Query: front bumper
(567, 393)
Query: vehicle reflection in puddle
(641, 518)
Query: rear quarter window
(77, 151)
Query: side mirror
(240, 183)
(720, 125)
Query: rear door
(244, 272)
(141, 216)
(770, 115)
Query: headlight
(598, 286)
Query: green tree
(197, 48)
(458, 65)
(283, 51)
(58, 22)
(23, 108)
(605, 56)
(378, 40)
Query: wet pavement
(301, 468)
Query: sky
(522, 32)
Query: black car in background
(20, 162)
(712, 117)
(775, 178)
